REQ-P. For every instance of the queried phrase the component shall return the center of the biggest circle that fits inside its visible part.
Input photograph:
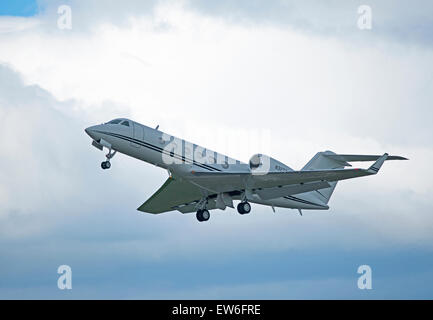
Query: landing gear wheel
(105, 165)
(109, 155)
(244, 207)
(203, 215)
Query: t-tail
(331, 160)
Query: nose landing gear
(107, 164)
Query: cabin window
(225, 165)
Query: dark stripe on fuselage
(158, 149)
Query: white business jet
(201, 180)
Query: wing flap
(272, 193)
(294, 177)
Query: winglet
(376, 166)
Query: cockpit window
(125, 123)
(115, 121)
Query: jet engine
(262, 164)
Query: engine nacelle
(262, 164)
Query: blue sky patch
(21, 8)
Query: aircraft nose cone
(90, 131)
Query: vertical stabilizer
(321, 161)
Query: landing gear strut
(107, 164)
(203, 215)
(244, 207)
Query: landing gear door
(138, 134)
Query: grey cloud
(43, 167)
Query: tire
(240, 208)
(203, 215)
(103, 165)
(107, 165)
(198, 215)
(244, 207)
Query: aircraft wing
(183, 195)
(224, 181)
(172, 193)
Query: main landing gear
(106, 164)
(203, 215)
(244, 207)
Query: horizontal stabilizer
(359, 157)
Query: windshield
(115, 121)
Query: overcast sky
(285, 78)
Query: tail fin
(321, 161)
(330, 160)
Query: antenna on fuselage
(157, 127)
